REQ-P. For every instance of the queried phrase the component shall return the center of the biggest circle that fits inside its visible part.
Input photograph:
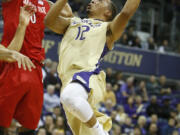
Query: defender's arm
(117, 26)
(13, 56)
(17, 42)
(4, 53)
(53, 21)
(66, 11)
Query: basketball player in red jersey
(11, 55)
(21, 92)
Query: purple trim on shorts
(83, 77)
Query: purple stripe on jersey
(84, 77)
(105, 51)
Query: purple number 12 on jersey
(81, 30)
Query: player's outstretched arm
(53, 21)
(25, 14)
(13, 56)
(66, 11)
(118, 25)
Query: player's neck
(97, 17)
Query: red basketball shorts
(21, 95)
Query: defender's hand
(25, 14)
(21, 60)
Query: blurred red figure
(21, 91)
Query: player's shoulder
(75, 18)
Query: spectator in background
(46, 67)
(110, 76)
(127, 127)
(178, 125)
(164, 47)
(121, 115)
(116, 88)
(130, 108)
(137, 42)
(114, 116)
(116, 130)
(58, 132)
(131, 35)
(48, 125)
(52, 77)
(41, 131)
(136, 131)
(166, 108)
(110, 94)
(107, 108)
(178, 111)
(142, 124)
(56, 112)
(153, 107)
(169, 128)
(153, 120)
(165, 89)
(124, 39)
(175, 132)
(140, 107)
(142, 91)
(152, 86)
(51, 100)
(127, 90)
(151, 44)
(153, 130)
(59, 124)
(173, 113)
(119, 79)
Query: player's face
(98, 7)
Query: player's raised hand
(23, 61)
(25, 14)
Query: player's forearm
(54, 12)
(127, 12)
(4, 53)
(119, 23)
(17, 42)
(66, 11)
(130, 7)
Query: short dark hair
(113, 9)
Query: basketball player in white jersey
(83, 46)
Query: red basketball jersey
(32, 45)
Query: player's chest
(86, 30)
